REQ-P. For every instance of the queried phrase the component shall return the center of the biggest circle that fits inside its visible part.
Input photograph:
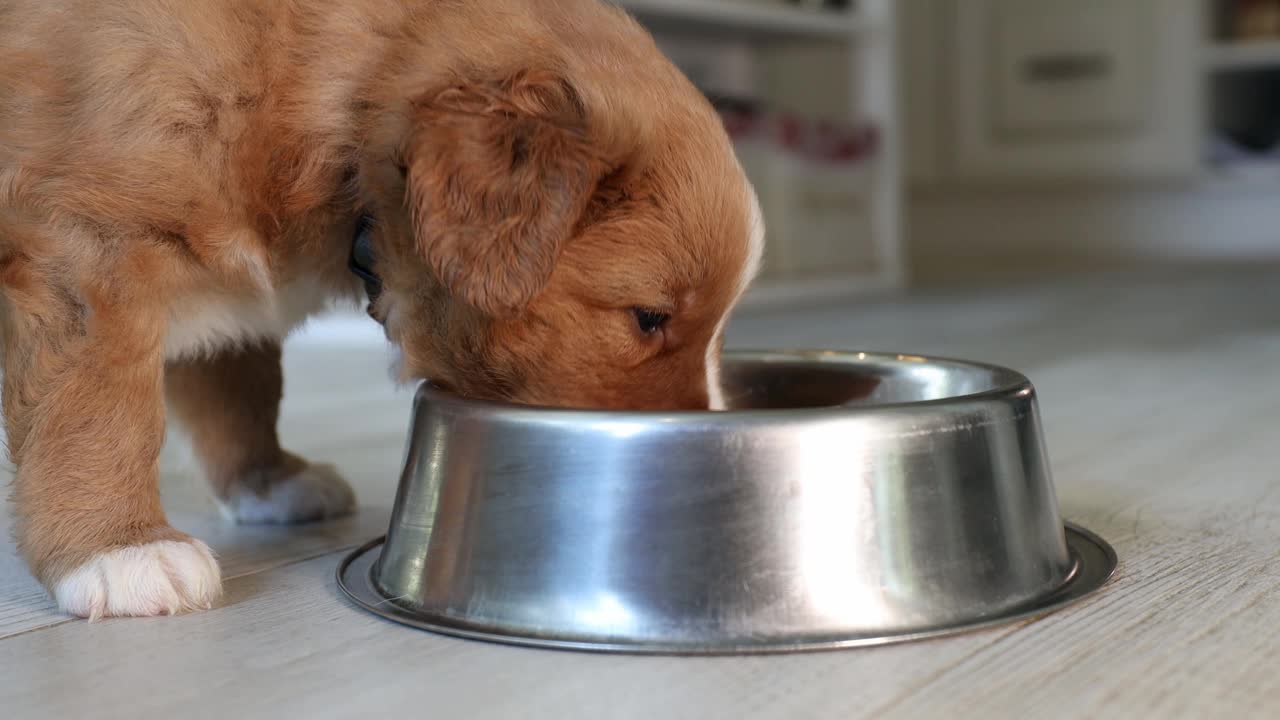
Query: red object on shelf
(814, 140)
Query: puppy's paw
(165, 577)
(316, 492)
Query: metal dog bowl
(847, 499)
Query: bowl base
(1095, 563)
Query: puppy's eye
(650, 321)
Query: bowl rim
(1010, 384)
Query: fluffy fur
(179, 182)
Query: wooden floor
(1161, 397)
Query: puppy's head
(566, 246)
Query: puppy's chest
(205, 322)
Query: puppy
(543, 209)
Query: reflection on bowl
(844, 499)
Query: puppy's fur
(179, 184)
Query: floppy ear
(498, 175)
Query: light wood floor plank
(286, 645)
(1161, 399)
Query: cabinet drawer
(1073, 88)
(1069, 67)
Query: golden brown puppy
(557, 218)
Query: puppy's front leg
(84, 413)
(229, 403)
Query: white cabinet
(1054, 89)
(822, 76)
(1058, 67)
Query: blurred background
(929, 144)
(898, 142)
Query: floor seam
(232, 578)
(940, 673)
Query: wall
(989, 231)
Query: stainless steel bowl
(846, 499)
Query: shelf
(1249, 55)
(1243, 177)
(743, 17)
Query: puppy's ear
(499, 173)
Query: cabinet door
(1074, 88)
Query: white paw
(318, 492)
(165, 577)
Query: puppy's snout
(698, 399)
